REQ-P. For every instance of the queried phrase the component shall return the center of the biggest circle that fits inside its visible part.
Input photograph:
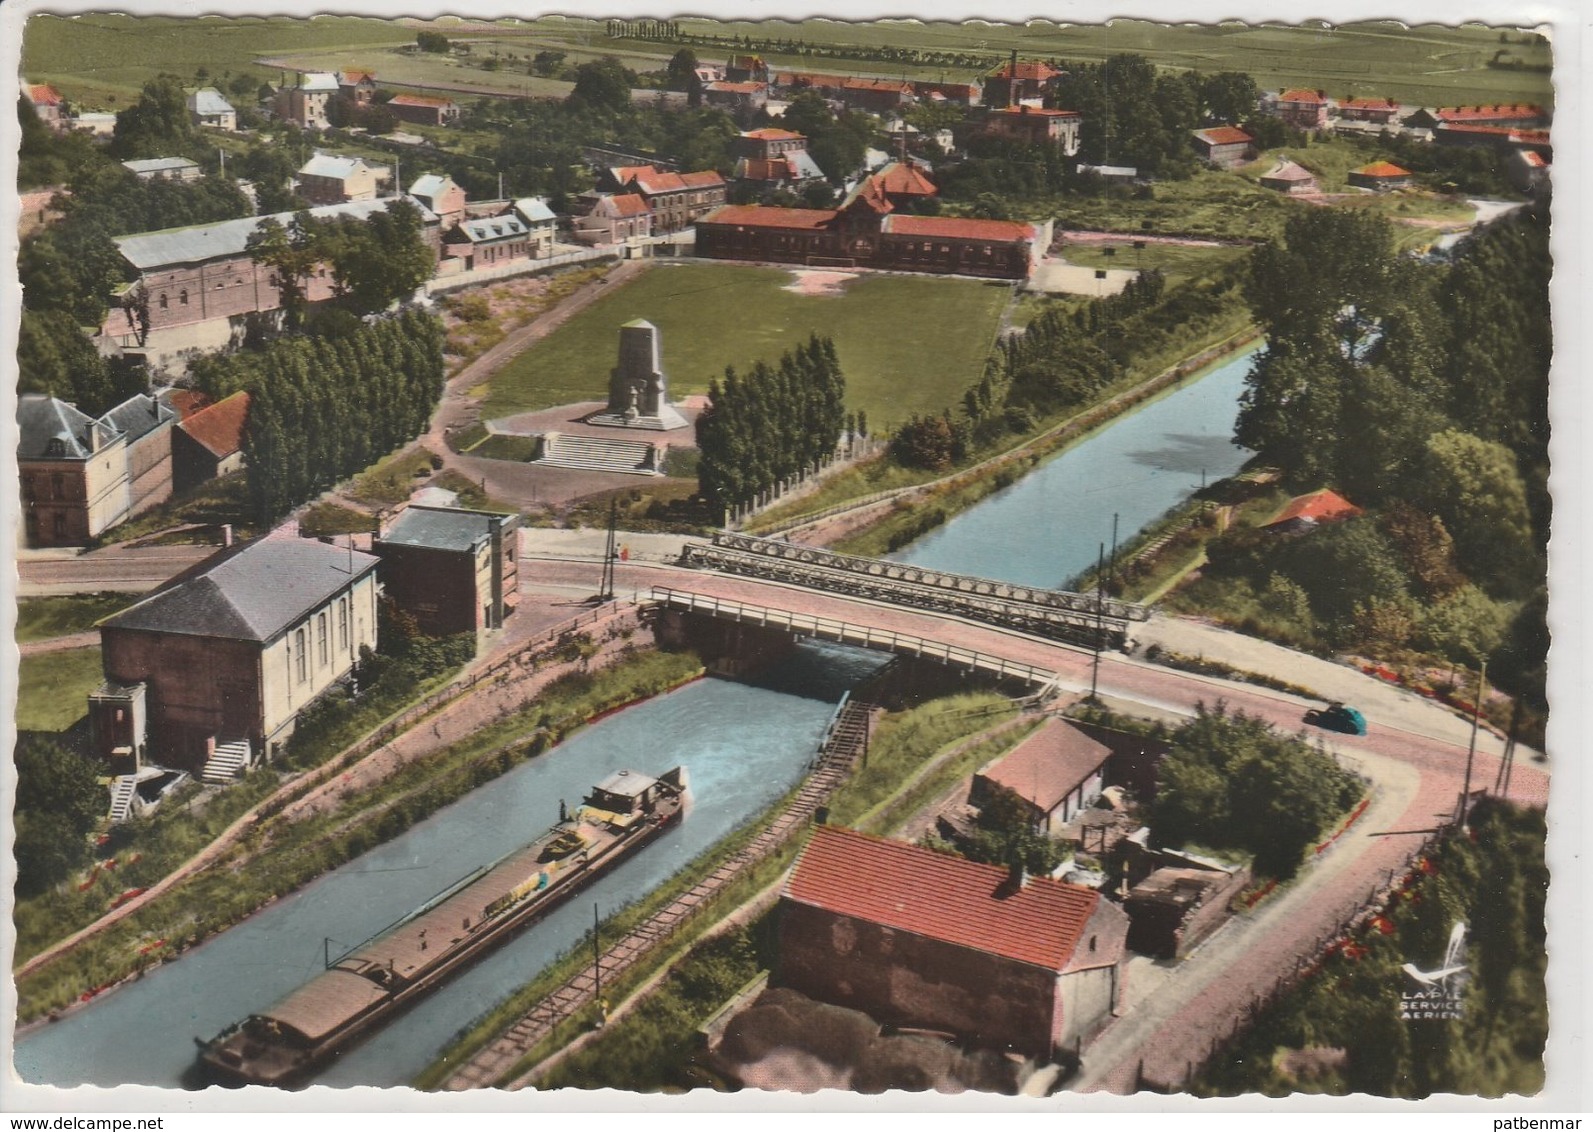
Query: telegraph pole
(1471, 751)
(606, 592)
(1095, 667)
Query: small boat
(362, 988)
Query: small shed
(1289, 177)
(1381, 176)
(1224, 146)
(1058, 771)
(1173, 909)
(1304, 512)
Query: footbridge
(1084, 619)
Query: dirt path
(89, 638)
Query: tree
(158, 124)
(378, 260)
(602, 84)
(1005, 833)
(291, 252)
(432, 42)
(681, 74)
(1475, 488)
(546, 64)
(59, 800)
(1229, 96)
(53, 357)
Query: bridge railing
(1066, 600)
(850, 633)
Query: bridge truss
(1081, 619)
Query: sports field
(907, 344)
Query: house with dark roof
(735, 96)
(442, 195)
(228, 654)
(1057, 772)
(329, 178)
(208, 442)
(1289, 177)
(1224, 146)
(164, 169)
(147, 425)
(916, 938)
(73, 470)
(304, 102)
(488, 241)
(452, 569)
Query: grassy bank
(282, 857)
(40, 618)
(902, 743)
(53, 688)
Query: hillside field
(907, 344)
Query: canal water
(142, 1033)
(1048, 527)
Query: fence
(443, 284)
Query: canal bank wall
(858, 525)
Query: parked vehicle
(1338, 717)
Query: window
(182, 298)
(301, 654)
(322, 639)
(57, 486)
(164, 302)
(342, 623)
(59, 524)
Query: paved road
(114, 569)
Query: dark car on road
(1338, 717)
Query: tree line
(1421, 393)
(770, 424)
(322, 408)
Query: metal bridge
(1042, 682)
(1057, 614)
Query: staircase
(227, 763)
(847, 739)
(598, 454)
(124, 788)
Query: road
(114, 569)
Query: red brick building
(917, 938)
(1380, 110)
(73, 470)
(453, 570)
(1520, 114)
(676, 199)
(1039, 126)
(1302, 109)
(1018, 81)
(424, 110)
(868, 231)
(613, 218)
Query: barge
(363, 987)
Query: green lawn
(907, 344)
(53, 688)
(40, 618)
(1177, 263)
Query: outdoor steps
(599, 454)
(227, 763)
(124, 788)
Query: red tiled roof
(765, 216)
(1534, 159)
(901, 178)
(358, 76)
(958, 228)
(895, 86)
(418, 100)
(1309, 97)
(765, 169)
(1035, 112)
(219, 428)
(653, 182)
(871, 193)
(735, 88)
(1509, 133)
(770, 133)
(623, 173)
(1224, 135)
(43, 94)
(1488, 113)
(1318, 506)
(1049, 765)
(941, 897)
(186, 402)
(703, 179)
(1381, 169)
(1367, 104)
(629, 204)
(950, 90)
(1040, 72)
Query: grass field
(1177, 263)
(103, 58)
(907, 344)
(53, 688)
(40, 618)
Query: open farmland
(907, 344)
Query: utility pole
(1095, 667)
(1113, 560)
(606, 592)
(597, 971)
(1471, 751)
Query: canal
(1048, 527)
(143, 1033)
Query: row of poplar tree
(320, 409)
(770, 424)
